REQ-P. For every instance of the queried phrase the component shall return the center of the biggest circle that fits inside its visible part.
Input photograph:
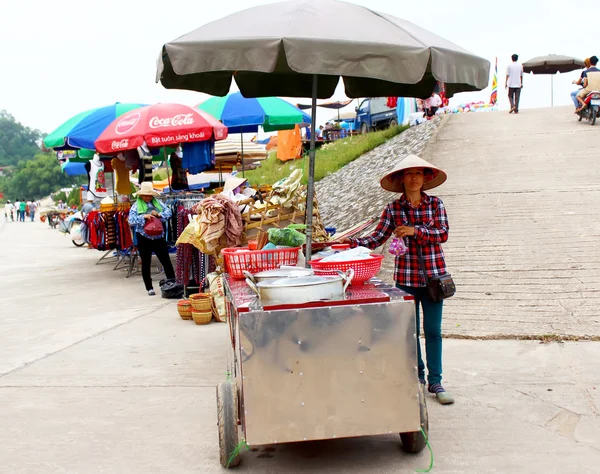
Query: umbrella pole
(167, 165)
(242, 147)
(310, 192)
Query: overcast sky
(61, 57)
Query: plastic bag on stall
(217, 291)
(170, 289)
(289, 237)
(357, 253)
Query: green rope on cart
(236, 452)
(430, 452)
(228, 374)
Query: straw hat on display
(146, 190)
(233, 183)
(392, 181)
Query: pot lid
(298, 281)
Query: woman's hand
(404, 231)
(147, 216)
(345, 240)
(155, 214)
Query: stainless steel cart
(322, 370)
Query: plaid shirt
(431, 229)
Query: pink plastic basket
(364, 270)
(239, 259)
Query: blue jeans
(432, 326)
(574, 98)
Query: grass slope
(329, 158)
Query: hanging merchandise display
(96, 178)
(145, 163)
(179, 179)
(119, 166)
(198, 156)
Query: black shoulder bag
(439, 287)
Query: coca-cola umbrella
(159, 125)
(301, 48)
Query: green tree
(17, 142)
(38, 178)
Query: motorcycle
(71, 225)
(592, 107)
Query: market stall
(275, 345)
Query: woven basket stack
(201, 308)
(184, 307)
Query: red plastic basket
(364, 270)
(239, 259)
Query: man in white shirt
(514, 83)
(9, 210)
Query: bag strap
(422, 263)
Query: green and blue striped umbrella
(241, 114)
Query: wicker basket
(184, 308)
(202, 317)
(201, 302)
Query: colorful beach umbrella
(82, 130)
(159, 125)
(242, 114)
(71, 168)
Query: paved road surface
(95, 376)
(522, 198)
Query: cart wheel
(227, 411)
(414, 441)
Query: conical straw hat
(392, 181)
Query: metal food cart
(321, 370)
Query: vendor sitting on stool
(145, 207)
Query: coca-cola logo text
(127, 123)
(176, 121)
(120, 144)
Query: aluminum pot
(299, 290)
(283, 272)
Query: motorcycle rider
(579, 82)
(591, 82)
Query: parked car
(374, 114)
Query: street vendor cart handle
(250, 282)
(347, 277)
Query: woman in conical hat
(420, 220)
(144, 208)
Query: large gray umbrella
(300, 48)
(551, 64)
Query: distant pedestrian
(514, 83)
(32, 209)
(61, 205)
(22, 209)
(9, 209)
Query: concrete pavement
(95, 376)
(524, 226)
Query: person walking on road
(421, 220)
(514, 83)
(32, 209)
(9, 210)
(22, 208)
(146, 207)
